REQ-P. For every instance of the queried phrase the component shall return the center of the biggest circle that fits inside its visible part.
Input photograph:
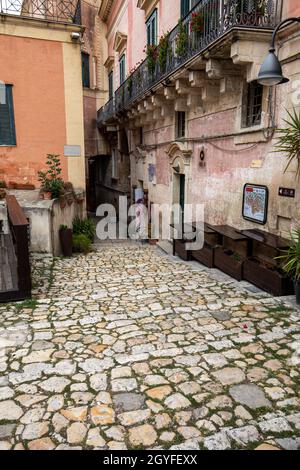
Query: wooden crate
(228, 264)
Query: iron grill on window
(180, 125)
(254, 104)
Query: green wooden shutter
(185, 7)
(7, 120)
(85, 61)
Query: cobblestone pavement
(127, 349)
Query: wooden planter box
(269, 280)
(204, 256)
(181, 251)
(228, 264)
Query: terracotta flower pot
(47, 195)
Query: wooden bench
(261, 267)
(231, 252)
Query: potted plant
(181, 40)
(52, 184)
(197, 22)
(288, 141)
(254, 16)
(151, 53)
(2, 190)
(164, 51)
(291, 261)
(66, 240)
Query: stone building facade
(42, 111)
(199, 127)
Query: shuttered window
(152, 29)
(7, 120)
(186, 6)
(111, 85)
(85, 61)
(122, 65)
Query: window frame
(253, 109)
(122, 68)
(85, 62)
(114, 164)
(111, 84)
(180, 125)
(152, 28)
(11, 117)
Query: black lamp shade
(271, 71)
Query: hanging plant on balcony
(197, 22)
(151, 53)
(253, 16)
(164, 51)
(130, 85)
(181, 40)
(288, 141)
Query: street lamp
(271, 71)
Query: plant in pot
(197, 23)
(291, 261)
(66, 240)
(51, 182)
(181, 40)
(164, 51)
(251, 16)
(151, 53)
(2, 190)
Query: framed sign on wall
(255, 203)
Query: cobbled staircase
(8, 264)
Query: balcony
(204, 26)
(58, 11)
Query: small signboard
(255, 203)
(287, 192)
(72, 151)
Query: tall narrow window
(180, 124)
(85, 61)
(111, 85)
(253, 108)
(152, 29)
(122, 64)
(187, 6)
(7, 120)
(114, 164)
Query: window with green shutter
(7, 119)
(85, 61)
(151, 25)
(122, 65)
(111, 85)
(187, 6)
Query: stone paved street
(129, 349)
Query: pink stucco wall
(131, 21)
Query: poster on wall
(255, 203)
(152, 173)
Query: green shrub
(81, 244)
(84, 227)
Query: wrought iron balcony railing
(205, 23)
(59, 11)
